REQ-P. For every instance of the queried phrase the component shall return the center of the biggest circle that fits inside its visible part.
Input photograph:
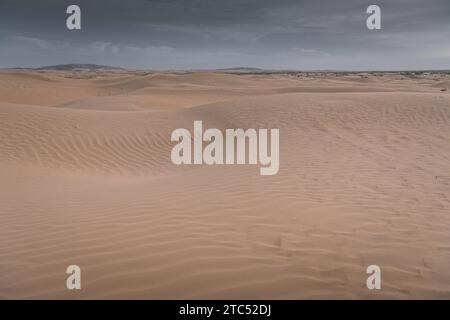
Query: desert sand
(86, 179)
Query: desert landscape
(86, 179)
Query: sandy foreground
(86, 179)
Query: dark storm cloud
(186, 34)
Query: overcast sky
(208, 34)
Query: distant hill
(78, 66)
(240, 70)
(247, 70)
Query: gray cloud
(183, 34)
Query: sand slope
(86, 179)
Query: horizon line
(257, 69)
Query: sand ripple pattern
(364, 179)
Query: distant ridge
(242, 70)
(235, 70)
(78, 66)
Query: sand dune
(87, 179)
